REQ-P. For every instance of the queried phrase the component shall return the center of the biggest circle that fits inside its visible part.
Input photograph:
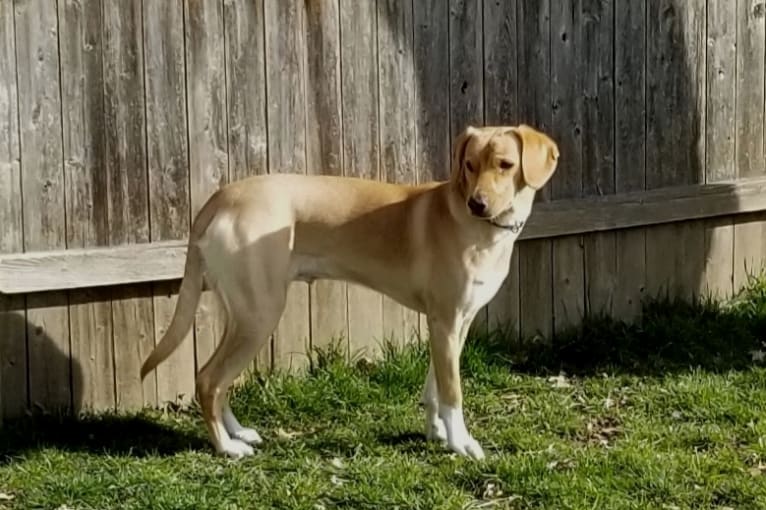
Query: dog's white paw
(468, 447)
(435, 430)
(458, 438)
(236, 449)
(249, 436)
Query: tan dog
(442, 249)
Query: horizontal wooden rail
(161, 261)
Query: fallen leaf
(338, 463)
(6, 497)
(336, 480)
(564, 464)
(559, 381)
(758, 355)
(284, 434)
(491, 490)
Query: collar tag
(514, 227)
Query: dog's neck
(503, 228)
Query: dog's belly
(308, 268)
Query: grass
(665, 413)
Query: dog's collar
(514, 227)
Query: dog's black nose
(478, 205)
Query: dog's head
(491, 165)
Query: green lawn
(666, 413)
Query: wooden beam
(645, 208)
(91, 267)
(162, 261)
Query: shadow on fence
(38, 375)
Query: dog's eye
(469, 166)
(506, 165)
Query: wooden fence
(119, 118)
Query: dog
(442, 249)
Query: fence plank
(208, 148)
(501, 108)
(359, 85)
(431, 61)
(247, 136)
(82, 97)
(329, 319)
(675, 143)
(721, 137)
(749, 232)
(749, 247)
(43, 195)
(397, 127)
(750, 40)
(13, 340)
(127, 199)
(286, 86)
(466, 93)
(466, 66)
(598, 148)
(245, 88)
(567, 125)
(432, 129)
(168, 168)
(534, 99)
(630, 150)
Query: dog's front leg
(435, 430)
(446, 346)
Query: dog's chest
(484, 287)
(488, 274)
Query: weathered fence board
(598, 148)
(630, 149)
(329, 309)
(245, 72)
(567, 77)
(42, 193)
(675, 143)
(13, 338)
(750, 132)
(535, 258)
(169, 166)
(127, 198)
(361, 148)
(397, 101)
(82, 100)
(286, 99)
(501, 80)
(431, 61)
(720, 140)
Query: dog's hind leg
(235, 429)
(254, 303)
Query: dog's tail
(183, 317)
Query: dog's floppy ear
(539, 155)
(458, 154)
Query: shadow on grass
(136, 436)
(670, 336)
